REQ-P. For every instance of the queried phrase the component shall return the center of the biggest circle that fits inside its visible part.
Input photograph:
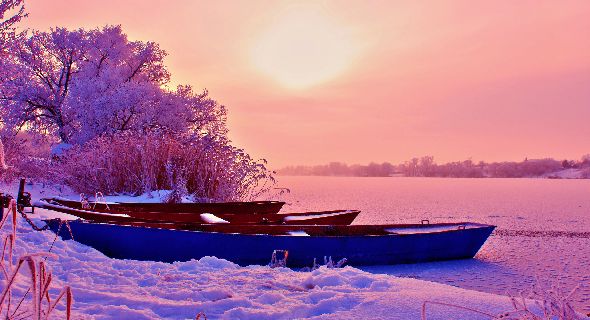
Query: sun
(302, 47)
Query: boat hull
(262, 207)
(334, 217)
(156, 244)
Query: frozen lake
(543, 225)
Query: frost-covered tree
(11, 12)
(82, 84)
(107, 97)
(45, 64)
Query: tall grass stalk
(42, 304)
(551, 304)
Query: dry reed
(551, 304)
(42, 305)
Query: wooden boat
(245, 245)
(335, 217)
(213, 208)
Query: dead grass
(41, 304)
(541, 303)
(203, 169)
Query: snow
(157, 196)
(571, 173)
(298, 233)
(211, 218)
(107, 288)
(58, 149)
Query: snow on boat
(246, 245)
(335, 217)
(261, 207)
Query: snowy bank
(106, 288)
(571, 173)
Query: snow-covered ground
(107, 288)
(571, 173)
(122, 289)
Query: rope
(24, 215)
(45, 227)
(67, 226)
(61, 223)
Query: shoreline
(106, 288)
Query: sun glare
(303, 47)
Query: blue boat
(247, 245)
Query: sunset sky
(308, 82)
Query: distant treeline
(427, 167)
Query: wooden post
(20, 200)
(1, 206)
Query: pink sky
(495, 80)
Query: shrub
(24, 155)
(204, 168)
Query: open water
(543, 234)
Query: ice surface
(543, 225)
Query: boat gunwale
(477, 226)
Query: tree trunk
(61, 126)
(2, 161)
(63, 136)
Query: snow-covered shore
(107, 288)
(571, 173)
